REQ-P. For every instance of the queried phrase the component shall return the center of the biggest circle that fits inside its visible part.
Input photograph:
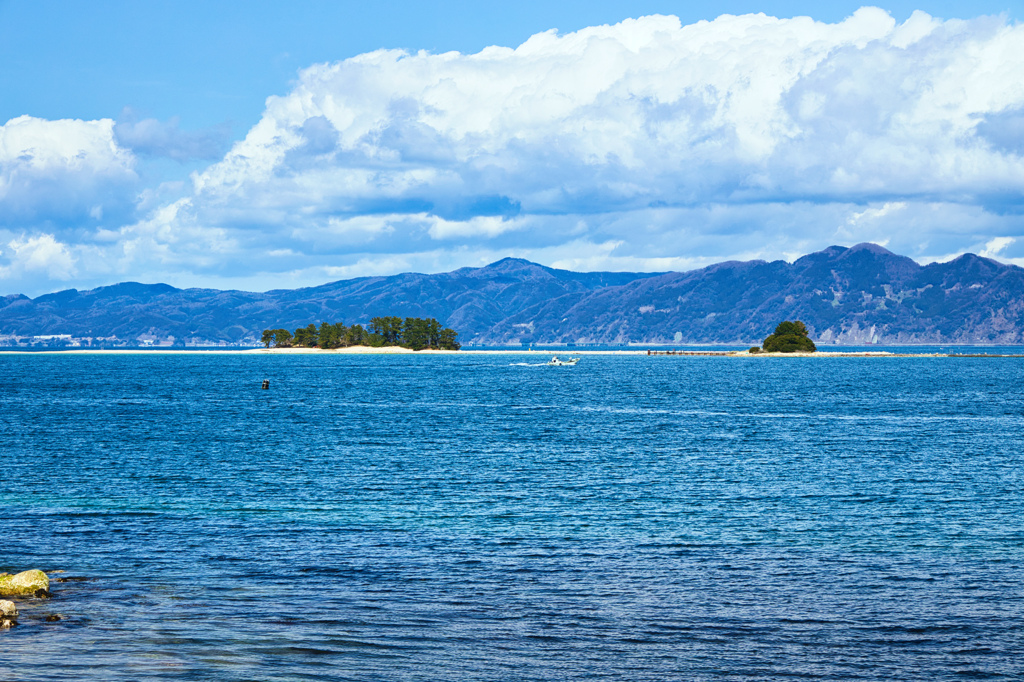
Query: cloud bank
(67, 171)
(642, 145)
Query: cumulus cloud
(636, 145)
(582, 129)
(748, 108)
(150, 137)
(1004, 130)
(64, 171)
(996, 246)
(37, 254)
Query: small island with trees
(410, 332)
(789, 337)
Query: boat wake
(553, 362)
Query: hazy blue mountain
(845, 295)
(470, 300)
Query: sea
(488, 517)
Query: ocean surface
(478, 517)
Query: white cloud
(590, 134)
(913, 30)
(172, 237)
(358, 229)
(65, 171)
(747, 108)
(38, 254)
(166, 139)
(641, 145)
(870, 214)
(996, 246)
(477, 226)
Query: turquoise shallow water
(472, 518)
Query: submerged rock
(8, 614)
(32, 582)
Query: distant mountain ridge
(862, 294)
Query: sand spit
(227, 351)
(868, 354)
(353, 350)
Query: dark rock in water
(25, 583)
(8, 614)
(42, 594)
(53, 618)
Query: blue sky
(263, 145)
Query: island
(413, 333)
(789, 337)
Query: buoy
(266, 384)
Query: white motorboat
(556, 362)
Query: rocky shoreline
(31, 583)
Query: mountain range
(862, 294)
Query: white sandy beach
(352, 350)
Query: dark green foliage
(789, 337)
(306, 337)
(412, 332)
(790, 343)
(356, 336)
(419, 334)
(389, 329)
(282, 338)
(447, 340)
(787, 328)
(331, 335)
(755, 349)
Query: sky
(265, 145)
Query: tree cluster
(789, 337)
(410, 332)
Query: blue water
(468, 518)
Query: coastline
(352, 350)
(398, 350)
